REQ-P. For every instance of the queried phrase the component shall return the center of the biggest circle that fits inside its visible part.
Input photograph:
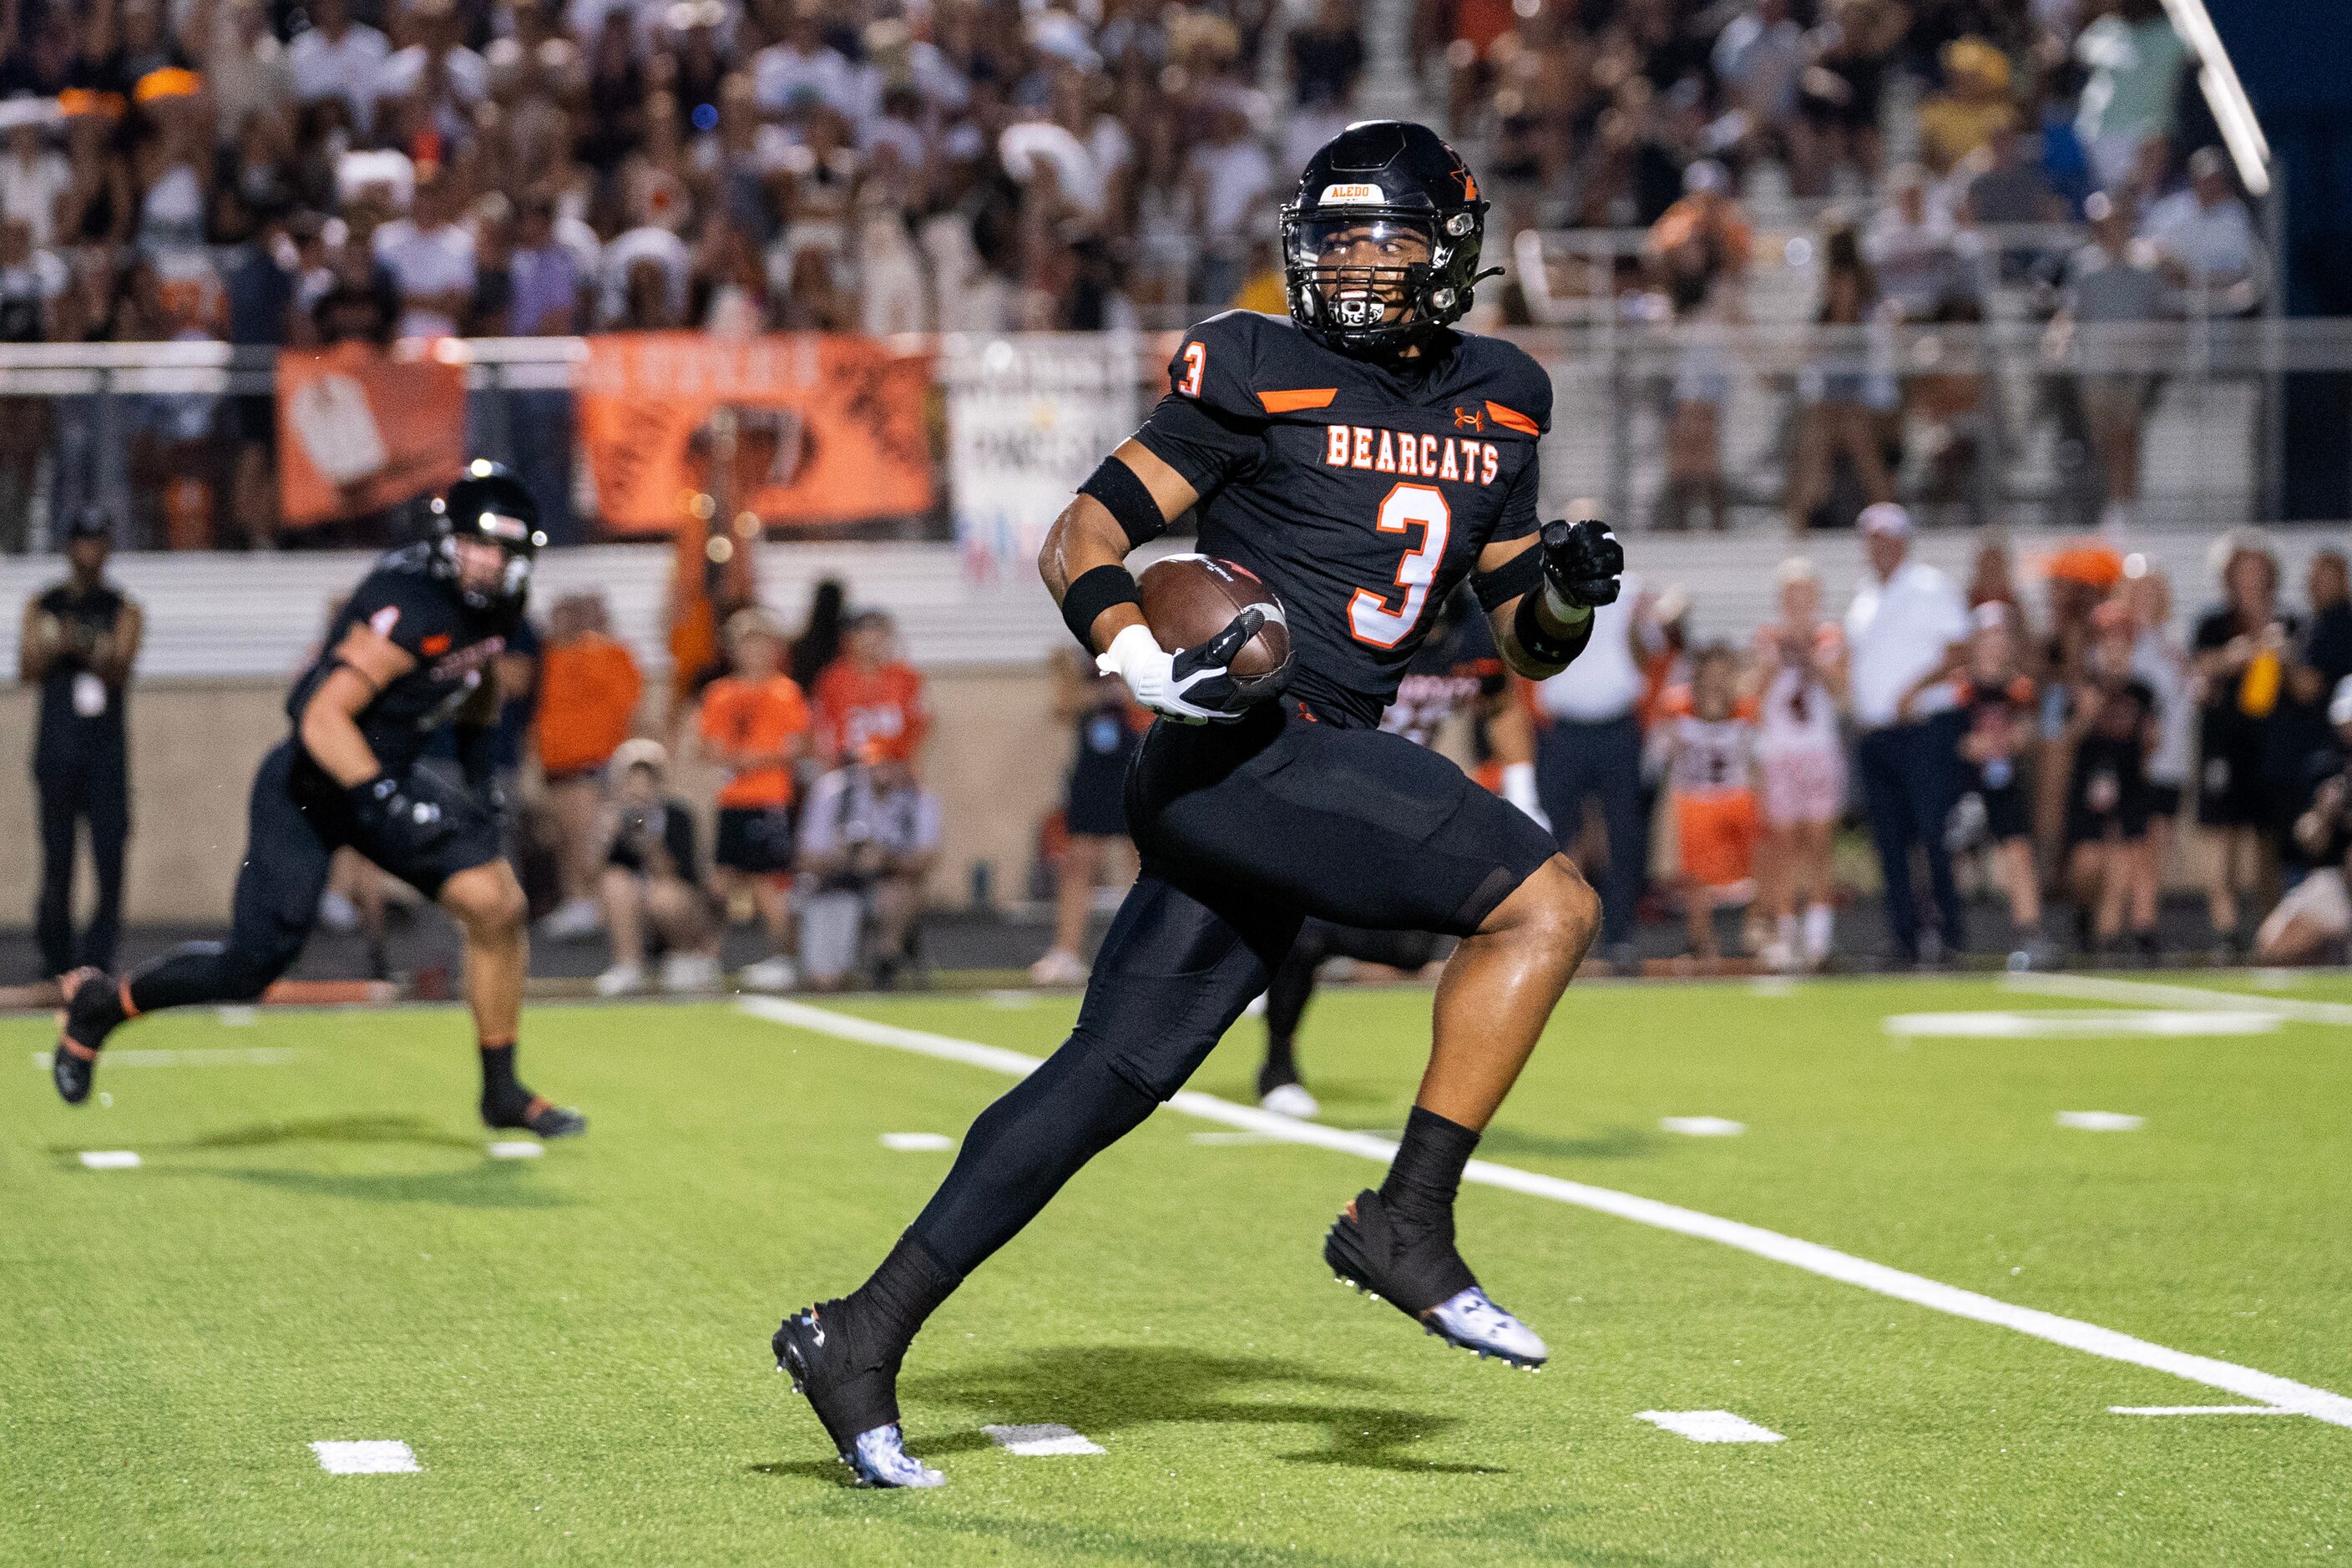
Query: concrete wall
(996, 759)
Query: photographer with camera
(869, 839)
(80, 640)
(652, 884)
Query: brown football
(1188, 599)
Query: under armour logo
(1468, 419)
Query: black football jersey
(1361, 493)
(1452, 669)
(456, 649)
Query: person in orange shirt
(588, 692)
(754, 726)
(868, 699)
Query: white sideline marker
(1710, 1426)
(2082, 1024)
(2161, 994)
(1046, 1440)
(2101, 1120)
(917, 1143)
(516, 1149)
(2319, 1403)
(109, 1159)
(194, 1057)
(373, 1456)
(1703, 1126)
(2200, 1410)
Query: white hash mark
(1046, 1440)
(109, 1159)
(917, 1143)
(2101, 1120)
(1703, 1126)
(1711, 1426)
(372, 1456)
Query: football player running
(415, 649)
(1362, 458)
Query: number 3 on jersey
(1369, 615)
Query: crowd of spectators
(273, 173)
(2071, 755)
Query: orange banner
(360, 428)
(821, 428)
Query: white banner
(1028, 418)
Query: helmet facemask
(1377, 282)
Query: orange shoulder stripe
(1512, 419)
(1302, 397)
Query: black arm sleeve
(477, 756)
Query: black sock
(1427, 1171)
(1281, 1064)
(498, 1072)
(903, 1292)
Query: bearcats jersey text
(1361, 493)
(456, 649)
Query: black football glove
(1582, 562)
(405, 815)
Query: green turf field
(315, 1247)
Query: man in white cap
(1909, 632)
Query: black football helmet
(488, 503)
(1383, 188)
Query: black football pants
(93, 788)
(295, 823)
(1244, 830)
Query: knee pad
(247, 965)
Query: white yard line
(1828, 1263)
(2200, 1410)
(194, 1056)
(2157, 994)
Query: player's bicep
(1171, 491)
(371, 658)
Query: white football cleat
(880, 1459)
(777, 973)
(621, 979)
(1469, 1319)
(1290, 1099)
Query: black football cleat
(852, 1388)
(1418, 1272)
(83, 1025)
(532, 1113)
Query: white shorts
(2320, 899)
(1802, 786)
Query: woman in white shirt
(1800, 756)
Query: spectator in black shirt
(2238, 655)
(78, 642)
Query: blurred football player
(415, 648)
(1362, 458)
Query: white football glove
(1191, 686)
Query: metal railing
(1983, 422)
